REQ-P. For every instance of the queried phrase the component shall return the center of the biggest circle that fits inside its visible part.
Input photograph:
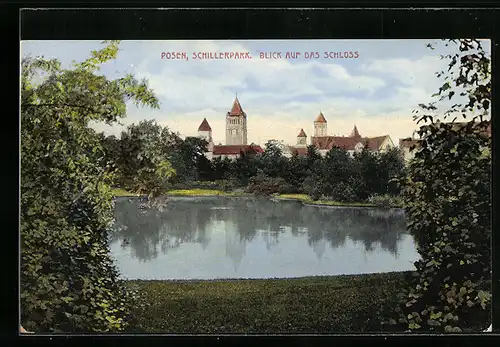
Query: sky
(375, 88)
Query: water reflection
(236, 224)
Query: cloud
(202, 84)
(419, 72)
(376, 92)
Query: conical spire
(302, 133)
(320, 118)
(204, 126)
(236, 110)
(355, 132)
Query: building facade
(324, 143)
(409, 146)
(236, 136)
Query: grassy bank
(203, 192)
(337, 304)
(306, 199)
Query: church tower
(320, 126)
(205, 132)
(236, 125)
(302, 139)
(355, 133)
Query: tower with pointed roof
(205, 132)
(302, 139)
(320, 126)
(236, 125)
(355, 132)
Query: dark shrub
(264, 185)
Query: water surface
(220, 237)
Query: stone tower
(320, 125)
(302, 139)
(236, 125)
(205, 132)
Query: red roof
(237, 110)
(204, 126)
(302, 133)
(328, 142)
(301, 151)
(375, 142)
(408, 142)
(320, 118)
(348, 143)
(486, 127)
(236, 149)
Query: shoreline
(302, 198)
(277, 279)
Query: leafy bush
(264, 185)
(69, 282)
(312, 187)
(448, 207)
(342, 192)
(180, 186)
(386, 200)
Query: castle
(236, 135)
(324, 143)
(236, 138)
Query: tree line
(145, 147)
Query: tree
(189, 154)
(221, 168)
(391, 167)
(69, 282)
(296, 170)
(272, 161)
(367, 174)
(145, 156)
(338, 170)
(447, 193)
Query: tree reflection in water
(148, 230)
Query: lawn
(334, 304)
(202, 192)
(307, 200)
(214, 192)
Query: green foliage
(265, 185)
(337, 176)
(68, 280)
(144, 161)
(448, 207)
(386, 200)
(343, 304)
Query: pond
(221, 237)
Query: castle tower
(302, 139)
(355, 132)
(320, 125)
(236, 125)
(205, 132)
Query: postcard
(256, 186)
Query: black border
(244, 23)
